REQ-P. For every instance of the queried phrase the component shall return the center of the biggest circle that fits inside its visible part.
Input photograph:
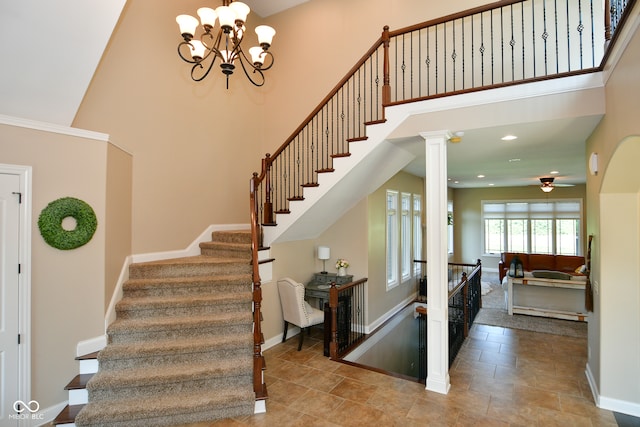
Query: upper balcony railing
(500, 44)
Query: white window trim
(507, 249)
(392, 248)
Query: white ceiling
(48, 63)
(541, 147)
(265, 8)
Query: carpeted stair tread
(186, 345)
(149, 303)
(241, 251)
(172, 374)
(183, 305)
(168, 409)
(200, 265)
(179, 323)
(186, 284)
(234, 236)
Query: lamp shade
(207, 16)
(324, 252)
(265, 35)
(187, 24)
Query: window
(406, 238)
(417, 234)
(403, 236)
(392, 239)
(549, 227)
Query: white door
(9, 296)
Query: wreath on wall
(50, 223)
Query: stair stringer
(371, 163)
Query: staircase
(181, 347)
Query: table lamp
(324, 253)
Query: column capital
(437, 134)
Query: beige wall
(611, 368)
(194, 145)
(67, 287)
(117, 217)
(467, 217)
(381, 300)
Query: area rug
(494, 313)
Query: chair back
(294, 307)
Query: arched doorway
(618, 291)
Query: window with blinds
(543, 227)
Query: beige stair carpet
(181, 348)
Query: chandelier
(225, 44)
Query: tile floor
(501, 377)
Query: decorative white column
(437, 278)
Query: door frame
(24, 279)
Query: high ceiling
(44, 78)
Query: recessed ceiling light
(554, 172)
(491, 185)
(513, 160)
(480, 176)
(509, 137)
(456, 182)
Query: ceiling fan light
(547, 184)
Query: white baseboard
(611, 404)
(46, 415)
(389, 314)
(292, 332)
(91, 345)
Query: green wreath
(50, 223)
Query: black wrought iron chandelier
(225, 44)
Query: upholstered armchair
(295, 309)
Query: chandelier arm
(185, 58)
(199, 65)
(257, 82)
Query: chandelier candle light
(224, 44)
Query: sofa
(563, 263)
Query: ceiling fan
(547, 185)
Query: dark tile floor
(501, 377)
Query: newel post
(386, 78)
(333, 307)
(268, 205)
